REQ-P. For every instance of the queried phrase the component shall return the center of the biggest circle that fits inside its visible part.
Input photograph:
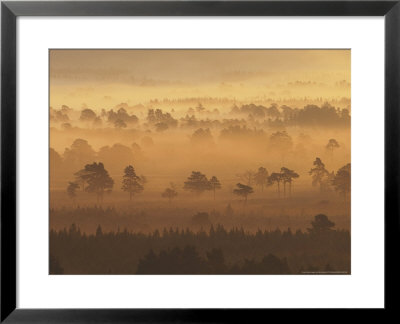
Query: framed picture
(190, 161)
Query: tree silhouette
(164, 120)
(288, 176)
(121, 115)
(169, 193)
(80, 177)
(160, 127)
(87, 115)
(197, 183)
(97, 179)
(243, 191)
(332, 145)
(215, 184)
(342, 180)
(318, 173)
(71, 189)
(321, 224)
(241, 133)
(277, 178)
(244, 252)
(326, 115)
(261, 177)
(59, 115)
(131, 183)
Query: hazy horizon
(99, 78)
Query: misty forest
(200, 162)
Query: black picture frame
(10, 10)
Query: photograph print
(200, 161)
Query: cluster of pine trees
(95, 178)
(215, 251)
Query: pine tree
(131, 183)
(215, 184)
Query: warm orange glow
(252, 139)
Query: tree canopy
(197, 182)
(169, 193)
(321, 224)
(276, 177)
(318, 173)
(261, 177)
(131, 183)
(287, 177)
(243, 191)
(332, 144)
(281, 141)
(342, 180)
(215, 184)
(97, 179)
(80, 153)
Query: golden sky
(103, 78)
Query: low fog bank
(274, 166)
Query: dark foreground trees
(210, 249)
(189, 261)
(54, 266)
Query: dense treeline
(217, 250)
(188, 261)
(310, 115)
(146, 220)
